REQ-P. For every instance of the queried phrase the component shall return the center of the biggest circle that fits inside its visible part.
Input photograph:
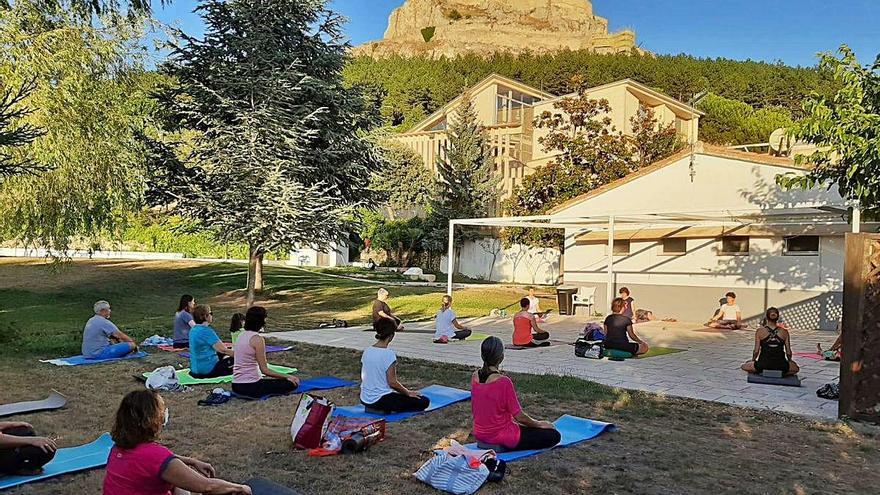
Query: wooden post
(860, 362)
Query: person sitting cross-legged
(380, 388)
(208, 355)
(619, 333)
(523, 324)
(728, 316)
(499, 421)
(535, 305)
(102, 339)
(772, 348)
(139, 465)
(447, 325)
(22, 452)
(252, 376)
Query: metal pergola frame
(800, 215)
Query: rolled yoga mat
(54, 401)
(439, 395)
(67, 460)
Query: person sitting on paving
(183, 321)
(381, 310)
(499, 421)
(772, 348)
(619, 333)
(834, 352)
(523, 324)
(251, 375)
(728, 316)
(447, 325)
(208, 355)
(139, 465)
(380, 388)
(102, 339)
(535, 305)
(22, 452)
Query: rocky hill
(448, 28)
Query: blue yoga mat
(269, 349)
(307, 385)
(440, 397)
(80, 360)
(573, 429)
(69, 460)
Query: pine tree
(466, 187)
(280, 154)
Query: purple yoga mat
(269, 348)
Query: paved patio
(707, 370)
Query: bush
(453, 15)
(172, 235)
(428, 33)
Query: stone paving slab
(707, 370)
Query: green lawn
(44, 307)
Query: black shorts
(630, 347)
(783, 366)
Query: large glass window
(509, 105)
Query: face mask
(167, 415)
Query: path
(707, 370)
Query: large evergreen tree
(14, 134)
(466, 183)
(281, 157)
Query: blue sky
(792, 31)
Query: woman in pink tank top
(250, 361)
(523, 324)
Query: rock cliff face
(448, 28)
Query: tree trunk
(255, 274)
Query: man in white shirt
(728, 316)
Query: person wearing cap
(102, 339)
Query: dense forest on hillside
(747, 97)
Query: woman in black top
(772, 348)
(619, 331)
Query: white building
(684, 231)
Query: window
(801, 245)
(734, 246)
(674, 246)
(620, 248)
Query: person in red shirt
(139, 465)
(499, 421)
(523, 324)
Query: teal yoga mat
(574, 430)
(440, 397)
(68, 460)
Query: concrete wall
(337, 255)
(487, 259)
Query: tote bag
(310, 421)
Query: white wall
(487, 259)
(338, 256)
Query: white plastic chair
(586, 296)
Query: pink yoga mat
(807, 355)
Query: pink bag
(310, 421)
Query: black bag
(592, 349)
(830, 391)
(497, 469)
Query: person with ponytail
(499, 421)
(183, 321)
(447, 325)
(236, 326)
(380, 389)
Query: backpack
(593, 332)
(592, 349)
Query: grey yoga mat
(54, 401)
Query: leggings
(395, 402)
(222, 368)
(28, 458)
(114, 351)
(537, 438)
(538, 336)
(264, 387)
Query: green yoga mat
(652, 352)
(474, 337)
(185, 378)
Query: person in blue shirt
(102, 339)
(208, 356)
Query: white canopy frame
(800, 215)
